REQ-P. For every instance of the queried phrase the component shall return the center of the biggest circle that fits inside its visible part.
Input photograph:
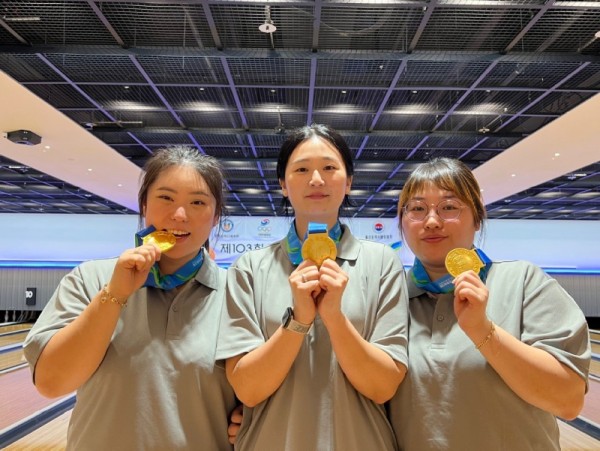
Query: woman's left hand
(333, 281)
(470, 302)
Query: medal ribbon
(444, 284)
(170, 281)
(293, 245)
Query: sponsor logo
(226, 225)
(378, 227)
(264, 229)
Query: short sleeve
(390, 327)
(553, 321)
(240, 328)
(69, 300)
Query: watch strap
(295, 326)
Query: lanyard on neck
(444, 284)
(170, 281)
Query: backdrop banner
(237, 235)
(65, 240)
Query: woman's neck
(435, 272)
(168, 266)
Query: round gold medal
(164, 240)
(318, 247)
(460, 260)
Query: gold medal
(318, 247)
(163, 240)
(460, 260)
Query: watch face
(287, 316)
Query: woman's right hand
(132, 269)
(304, 282)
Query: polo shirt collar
(413, 290)
(208, 274)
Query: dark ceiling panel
(403, 82)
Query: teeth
(178, 232)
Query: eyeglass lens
(417, 210)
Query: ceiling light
(21, 19)
(268, 26)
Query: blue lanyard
(293, 245)
(169, 281)
(444, 284)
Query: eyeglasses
(447, 210)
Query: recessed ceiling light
(344, 91)
(90, 169)
(120, 185)
(22, 19)
(557, 154)
(513, 175)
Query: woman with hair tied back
(315, 379)
(497, 351)
(136, 335)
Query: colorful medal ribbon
(170, 281)
(293, 245)
(444, 284)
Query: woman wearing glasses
(497, 351)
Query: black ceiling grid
(403, 81)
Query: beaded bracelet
(108, 296)
(488, 337)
